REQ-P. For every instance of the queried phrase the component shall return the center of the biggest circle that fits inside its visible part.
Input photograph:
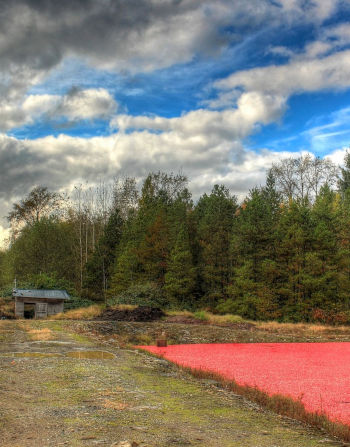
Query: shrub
(201, 315)
(332, 317)
(76, 303)
(147, 294)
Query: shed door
(41, 310)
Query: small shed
(38, 303)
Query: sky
(92, 90)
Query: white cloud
(60, 162)
(297, 76)
(86, 104)
(252, 109)
(75, 105)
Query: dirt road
(50, 399)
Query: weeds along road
(50, 399)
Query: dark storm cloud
(127, 33)
(39, 33)
(131, 35)
(20, 168)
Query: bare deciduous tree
(302, 177)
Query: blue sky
(221, 90)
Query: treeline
(283, 253)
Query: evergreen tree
(293, 247)
(214, 215)
(254, 274)
(153, 251)
(180, 278)
(344, 179)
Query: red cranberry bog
(315, 377)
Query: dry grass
(179, 313)
(274, 326)
(40, 334)
(210, 318)
(88, 313)
(7, 307)
(124, 306)
(277, 403)
(113, 405)
(83, 313)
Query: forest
(282, 253)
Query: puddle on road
(90, 355)
(99, 355)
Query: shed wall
(43, 307)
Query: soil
(48, 398)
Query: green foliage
(279, 255)
(201, 315)
(46, 281)
(44, 247)
(77, 303)
(344, 179)
(214, 217)
(145, 294)
(99, 268)
(180, 278)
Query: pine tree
(344, 180)
(153, 251)
(180, 278)
(324, 267)
(294, 247)
(254, 274)
(214, 215)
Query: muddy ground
(50, 399)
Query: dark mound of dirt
(141, 313)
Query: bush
(245, 306)
(76, 303)
(7, 291)
(147, 294)
(201, 315)
(331, 317)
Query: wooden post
(162, 341)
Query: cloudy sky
(95, 89)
